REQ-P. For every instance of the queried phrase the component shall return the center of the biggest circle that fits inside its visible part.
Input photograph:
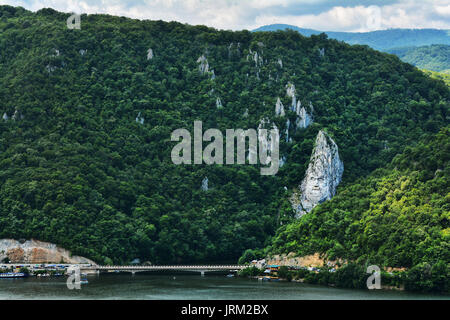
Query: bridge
(133, 268)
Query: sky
(323, 15)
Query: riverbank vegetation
(424, 278)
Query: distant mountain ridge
(380, 40)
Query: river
(181, 287)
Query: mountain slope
(434, 58)
(381, 40)
(80, 169)
(395, 217)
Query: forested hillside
(435, 57)
(87, 117)
(383, 40)
(397, 216)
(438, 75)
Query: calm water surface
(210, 287)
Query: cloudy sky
(325, 15)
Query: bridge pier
(202, 273)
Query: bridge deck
(181, 267)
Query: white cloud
(236, 14)
(405, 14)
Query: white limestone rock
(50, 68)
(322, 52)
(257, 58)
(282, 161)
(234, 49)
(290, 92)
(204, 65)
(266, 142)
(280, 62)
(304, 119)
(16, 115)
(279, 109)
(140, 119)
(55, 53)
(219, 104)
(322, 177)
(205, 184)
(150, 54)
(288, 125)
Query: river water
(191, 287)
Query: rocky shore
(35, 251)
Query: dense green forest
(434, 57)
(423, 48)
(78, 170)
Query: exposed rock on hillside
(219, 104)
(322, 177)
(140, 119)
(279, 108)
(280, 62)
(150, 54)
(205, 184)
(304, 119)
(204, 65)
(34, 251)
(290, 92)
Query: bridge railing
(168, 267)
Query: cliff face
(322, 177)
(34, 251)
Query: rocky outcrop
(290, 92)
(219, 104)
(280, 62)
(322, 52)
(257, 58)
(266, 142)
(16, 116)
(312, 260)
(205, 182)
(34, 251)
(322, 177)
(150, 54)
(140, 119)
(234, 49)
(55, 53)
(204, 65)
(288, 126)
(279, 109)
(50, 68)
(304, 119)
